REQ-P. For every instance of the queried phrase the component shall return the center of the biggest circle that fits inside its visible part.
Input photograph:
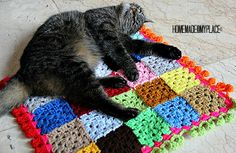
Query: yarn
(174, 98)
(160, 65)
(180, 79)
(136, 57)
(92, 148)
(121, 140)
(53, 115)
(155, 92)
(98, 124)
(102, 70)
(35, 102)
(148, 127)
(111, 92)
(203, 99)
(130, 99)
(78, 109)
(4, 82)
(145, 74)
(25, 120)
(69, 137)
(177, 112)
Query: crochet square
(155, 92)
(116, 91)
(98, 124)
(130, 99)
(79, 110)
(35, 102)
(145, 74)
(180, 79)
(137, 36)
(160, 65)
(149, 127)
(69, 137)
(122, 140)
(203, 99)
(136, 57)
(92, 148)
(53, 115)
(177, 112)
(102, 70)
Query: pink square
(145, 74)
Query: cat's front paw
(132, 74)
(169, 52)
(174, 53)
(129, 113)
(118, 82)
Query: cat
(60, 58)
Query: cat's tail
(13, 94)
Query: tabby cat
(60, 58)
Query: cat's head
(131, 17)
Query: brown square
(69, 138)
(155, 92)
(122, 140)
(203, 99)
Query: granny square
(155, 92)
(149, 127)
(35, 102)
(102, 70)
(70, 137)
(130, 99)
(145, 74)
(78, 109)
(180, 79)
(177, 112)
(91, 148)
(203, 99)
(122, 140)
(53, 115)
(98, 124)
(160, 65)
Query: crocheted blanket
(174, 97)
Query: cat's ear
(119, 8)
(123, 7)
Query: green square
(130, 99)
(149, 127)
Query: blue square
(177, 112)
(137, 36)
(98, 124)
(137, 57)
(52, 115)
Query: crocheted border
(25, 120)
(206, 122)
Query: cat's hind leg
(150, 48)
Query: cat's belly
(88, 53)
